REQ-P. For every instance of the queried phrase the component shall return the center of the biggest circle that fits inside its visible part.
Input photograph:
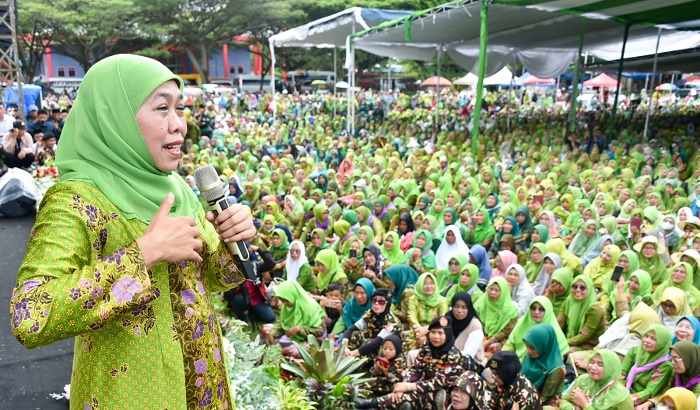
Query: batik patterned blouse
(144, 338)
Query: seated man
(18, 147)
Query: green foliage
(254, 371)
(87, 30)
(293, 397)
(331, 377)
(253, 377)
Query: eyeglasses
(380, 302)
(578, 287)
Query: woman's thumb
(165, 206)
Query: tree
(199, 26)
(87, 30)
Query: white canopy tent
(502, 77)
(544, 36)
(329, 32)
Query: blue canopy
(32, 96)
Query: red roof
(601, 81)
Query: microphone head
(210, 186)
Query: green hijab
(427, 254)
(424, 299)
(632, 261)
(304, 312)
(446, 278)
(533, 269)
(333, 272)
(564, 276)
(472, 289)
(526, 322)
(543, 231)
(575, 310)
(495, 315)
(485, 230)
(280, 252)
(664, 339)
(544, 340)
(394, 255)
(687, 285)
(606, 393)
(369, 234)
(101, 142)
(582, 243)
(643, 293)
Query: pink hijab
(507, 258)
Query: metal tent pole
(574, 89)
(335, 77)
(651, 90)
(619, 68)
(483, 44)
(272, 78)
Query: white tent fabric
(520, 29)
(331, 31)
(469, 79)
(639, 46)
(542, 62)
(503, 77)
(328, 32)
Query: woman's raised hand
(170, 238)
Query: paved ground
(26, 376)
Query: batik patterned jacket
(144, 338)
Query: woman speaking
(122, 255)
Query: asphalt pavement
(27, 377)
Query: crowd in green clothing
(376, 237)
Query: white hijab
(522, 294)
(292, 266)
(446, 251)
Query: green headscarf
(402, 277)
(544, 340)
(664, 338)
(333, 272)
(484, 230)
(102, 143)
(341, 228)
(564, 276)
(532, 269)
(655, 265)
(427, 254)
(423, 298)
(369, 233)
(687, 286)
(575, 310)
(280, 252)
(543, 231)
(473, 272)
(632, 259)
(606, 393)
(394, 255)
(643, 294)
(495, 315)
(516, 338)
(304, 312)
(582, 243)
(446, 278)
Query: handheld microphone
(213, 190)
